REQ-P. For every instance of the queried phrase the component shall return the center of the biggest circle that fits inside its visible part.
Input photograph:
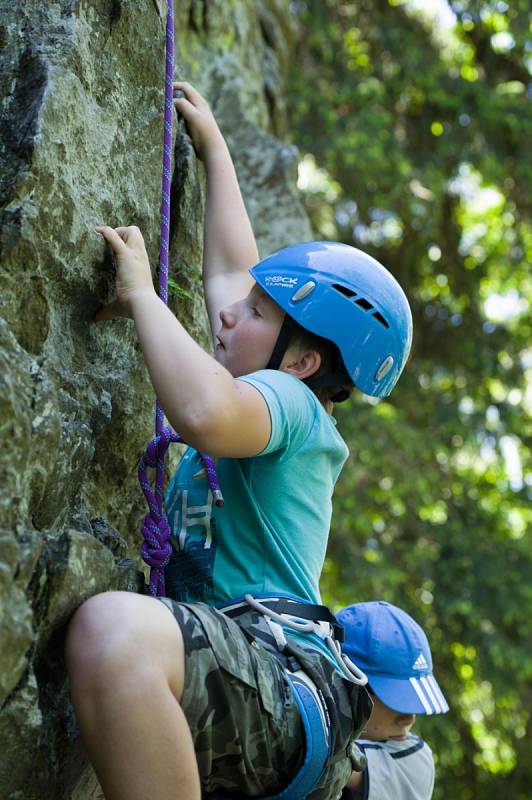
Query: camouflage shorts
(246, 728)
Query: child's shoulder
(285, 386)
(296, 414)
(286, 391)
(277, 379)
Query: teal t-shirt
(271, 535)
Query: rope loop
(157, 447)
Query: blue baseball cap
(393, 651)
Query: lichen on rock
(82, 88)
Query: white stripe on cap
(434, 700)
(419, 691)
(438, 692)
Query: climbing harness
(306, 618)
(286, 611)
(318, 737)
(302, 617)
(156, 549)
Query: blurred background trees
(414, 124)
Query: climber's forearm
(229, 243)
(200, 398)
(182, 373)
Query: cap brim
(417, 695)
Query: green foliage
(414, 137)
(178, 291)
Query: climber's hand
(133, 274)
(201, 124)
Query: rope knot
(156, 549)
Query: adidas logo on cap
(420, 662)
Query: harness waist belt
(284, 605)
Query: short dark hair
(332, 381)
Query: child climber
(177, 698)
(394, 653)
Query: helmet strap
(334, 382)
(281, 345)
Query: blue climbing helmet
(344, 295)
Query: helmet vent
(362, 302)
(343, 290)
(378, 316)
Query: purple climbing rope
(156, 549)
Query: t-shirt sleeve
(292, 407)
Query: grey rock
(81, 87)
(16, 633)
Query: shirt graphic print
(189, 575)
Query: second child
(394, 653)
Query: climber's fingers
(201, 125)
(130, 235)
(121, 238)
(191, 95)
(185, 107)
(113, 237)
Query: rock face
(81, 115)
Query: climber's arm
(213, 411)
(229, 244)
(356, 781)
